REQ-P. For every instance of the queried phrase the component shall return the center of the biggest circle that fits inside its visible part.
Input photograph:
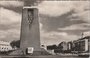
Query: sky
(59, 20)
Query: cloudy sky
(59, 20)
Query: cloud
(82, 11)
(81, 6)
(11, 3)
(84, 16)
(55, 20)
(2, 34)
(54, 8)
(57, 8)
(49, 38)
(9, 25)
(86, 33)
(9, 35)
(60, 14)
(83, 26)
(9, 16)
(64, 20)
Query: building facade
(81, 45)
(69, 46)
(64, 45)
(5, 46)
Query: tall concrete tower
(30, 34)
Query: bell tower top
(27, 7)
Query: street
(50, 56)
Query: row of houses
(5, 46)
(81, 45)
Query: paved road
(54, 56)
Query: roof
(87, 37)
(29, 7)
(4, 43)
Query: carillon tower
(30, 34)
